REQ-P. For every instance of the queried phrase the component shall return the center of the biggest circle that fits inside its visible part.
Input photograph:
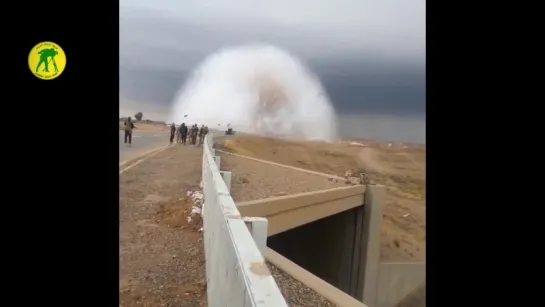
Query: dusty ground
(255, 180)
(144, 126)
(401, 167)
(161, 254)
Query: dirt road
(161, 253)
(142, 141)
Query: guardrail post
(227, 179)
(258, 228)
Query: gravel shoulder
(295, 292)
(251, 180)
(161, 253)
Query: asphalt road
(142, 141)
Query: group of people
(184, 131)
(181, 133)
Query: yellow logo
(47, 60)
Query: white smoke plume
(258, 89)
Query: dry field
(398, 166)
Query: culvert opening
(329, 248)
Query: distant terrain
(145, 124)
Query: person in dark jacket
(201, 135)
(178, 134)
(183, 131)
(172, 132)
(128, 130)
(194, 133)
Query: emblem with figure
(47, 60)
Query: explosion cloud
(258, 89)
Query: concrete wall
(370, 247)
(325, 248)
(291, 211)
(417, 298)
(334, 295)
(236, 272)
(342, 248)
(397, 280)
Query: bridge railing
(236, 272)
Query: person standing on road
(194, 132)
(172, 132)
(183, 131)
(201, 135)
(128, 130)
(205, 132)
(179, 134)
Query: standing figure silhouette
(44, 55)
